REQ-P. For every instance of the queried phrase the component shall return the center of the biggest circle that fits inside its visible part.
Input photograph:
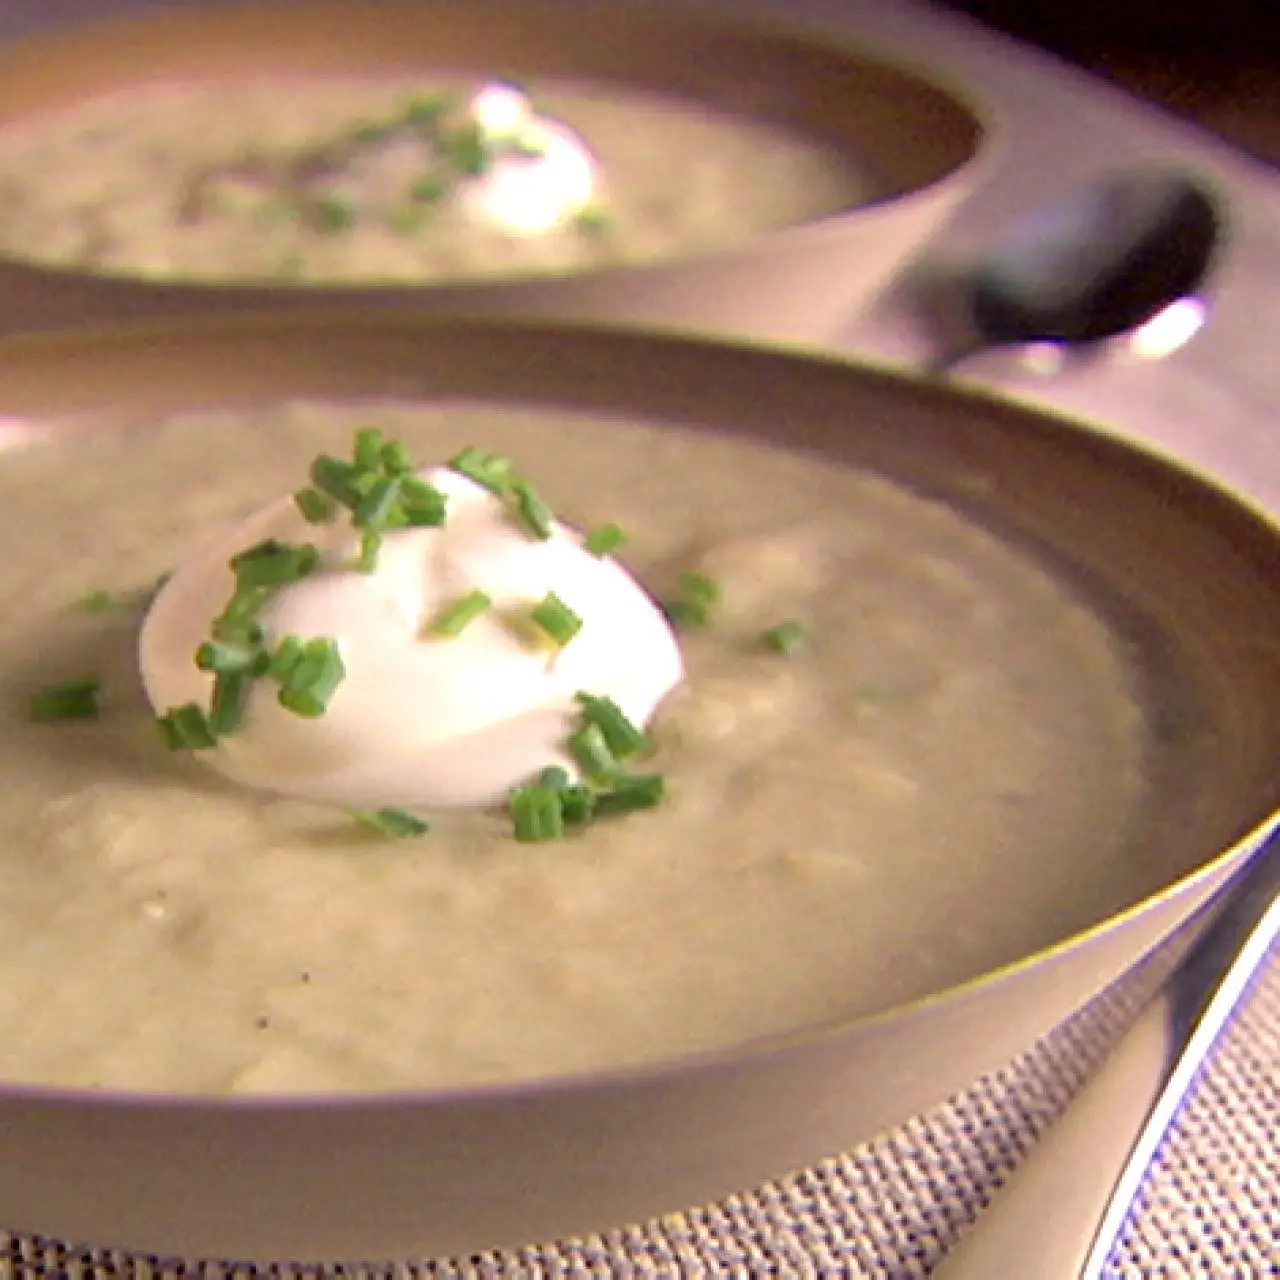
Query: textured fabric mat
(1210, 1204)
(887, 1209)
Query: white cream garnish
(418, 721)
(544, 184)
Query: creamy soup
(939, 775)
(297, 181)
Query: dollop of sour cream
(419, 720)
(543, 179)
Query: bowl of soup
(612, 162)
(473, 782)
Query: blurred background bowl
(922, 144)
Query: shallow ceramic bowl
(1189, 573)
(920, 143)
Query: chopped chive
(428, 189)
(316, 506)
(554, 776)
(785, 637)
(468, 149)
(421, 504)
(336, 478)
(395, 823)
(624, 738)
(698, 588)
(536, 814)
(456, 617)
(370, 546)
(553, 616)
(373, 131)
(236, 624)
(366, 449)
(186, 728)
(231, 690)
(312, 680)
(686, 614)
(230, 657)
(593, 222)
(334, 213)
(423, 109)
(273, 564)
(395, 457)
(531, 511)
(374, 510)
(577, 804)
(637, 791)
(288, 654)
(69, 700)
(590, 749)
(607, 538)
(490, 470)
(98, 602)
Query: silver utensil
(1101, 262)
(1206, 991)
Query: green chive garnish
(224, 657)
(274, 564)
(336, 478)
(366, 449)
(429, 189)
(607, 538)
(70, 700)
(698, 588)
(288, 654)
(186, 728)
(530, 510)
(554, 776)
(556, 619)
(231, 690)
(590, 749)
(312, 680)
(98, 602)
(686, 614)
(490, 470)
(785, 637)
(395, 823)
(637, 791)
(370, 546)
(593, 223)
(469, 149)
(577, 804)
(334, 213)
(691, 606)
(459, 615)
(395, 458)
(422, 504)
(423, 109)
(316, 506)
(536, 813)
(373, 511)
(623, 738)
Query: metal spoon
(1105, 260)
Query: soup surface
(941, 777)
(311, 181)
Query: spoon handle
(1066, 1206)
(1209, 988)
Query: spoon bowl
(1101, 262)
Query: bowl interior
(907, 130)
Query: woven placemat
(1210, 1203)
(887, 1209)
